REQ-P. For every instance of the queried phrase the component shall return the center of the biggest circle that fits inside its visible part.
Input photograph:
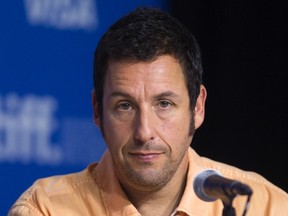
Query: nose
(144, 126)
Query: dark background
(244, 49)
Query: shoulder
(62, 184)
(51, 195)
(250, 177)
(266, 196)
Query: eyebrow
(166, 94)
(157, 97)
(119, 94)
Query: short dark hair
(143, 35)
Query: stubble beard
(150, 179)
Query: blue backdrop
(46, 64)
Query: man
(148, 100)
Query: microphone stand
(228, 209)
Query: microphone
(209, 185)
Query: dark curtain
(244, 50)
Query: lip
(146, 156)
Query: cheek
(116, 134)
(179, 123)
(176, 128)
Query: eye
(124, 106)
(164, 104)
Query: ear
(96, 114)
(200, 107)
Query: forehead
(164, 72)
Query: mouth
(146, 156)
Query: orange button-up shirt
(96, 191)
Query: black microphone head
(198, 184)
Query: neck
(160, 203)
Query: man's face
(146, 120)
